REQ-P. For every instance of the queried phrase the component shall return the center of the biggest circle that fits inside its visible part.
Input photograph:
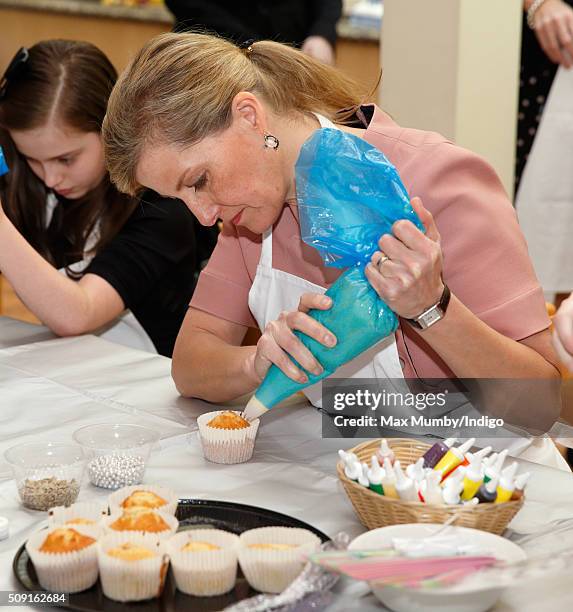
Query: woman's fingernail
(329, 340)
(303, 378)
(326, 301)
(317, 370)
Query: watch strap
(442, 305)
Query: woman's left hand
(407, 271)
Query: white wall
(452, 66)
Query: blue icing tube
(349, 195)
(371, 321)
(3, 165)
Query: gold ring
(382, 260)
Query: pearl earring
(271, 142)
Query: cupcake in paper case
(226, 437)
(65, 557)
(81, 513)
(141, 520)
(132, 566)
(204, 561)
(272, 557)
(153, 497)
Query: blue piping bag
(348, 196)
(3, 165)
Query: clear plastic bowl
(117, 452)
(47, 474)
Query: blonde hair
(179, 89)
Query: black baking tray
(192, 514)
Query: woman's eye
(66, 161)
(200, 182)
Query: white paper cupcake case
(94, 511)
(271, 571)
(205, 573)
(117, 498)
(171, 521)
(226, 445)
(123, 580)
(69, 572)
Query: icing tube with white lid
(453, 457)
(404, 486)
(493, 468)
(506, 483)
(363, 476)
(375, 476)
(520, 483)
(385, 451)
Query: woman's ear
(248, 112)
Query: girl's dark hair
(72, 82)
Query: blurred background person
(544, 181)
(307, 24)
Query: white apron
(274, 291)
(544, 201)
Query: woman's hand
(563, 333)
(553, 23)
(278, 341)
(319, 48)
(407, 271)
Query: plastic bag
(349, 195)
(3, 164)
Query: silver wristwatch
(433, 314)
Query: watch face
(431, 316)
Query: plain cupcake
(80, 513)
(154, 497)
(204, 561)
(272, 557)
(141, 520)
(132, 566)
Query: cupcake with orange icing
(65, 557)
(226, 437)
(272, 557)
(141, 520)
(204, 561)
(132, 566)
(153, 497)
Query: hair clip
(14, 68)
(247, 45)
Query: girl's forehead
(51, 140)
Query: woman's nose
(207, 214)
(52, 177)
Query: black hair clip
(247, 45)
(14, 68)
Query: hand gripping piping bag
(348, 196)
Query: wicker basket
(376, 510)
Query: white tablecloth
(50, 388)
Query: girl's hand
(407, 271)
(563, 333)
(278, 343)
(554, 30)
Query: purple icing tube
(437, 451)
